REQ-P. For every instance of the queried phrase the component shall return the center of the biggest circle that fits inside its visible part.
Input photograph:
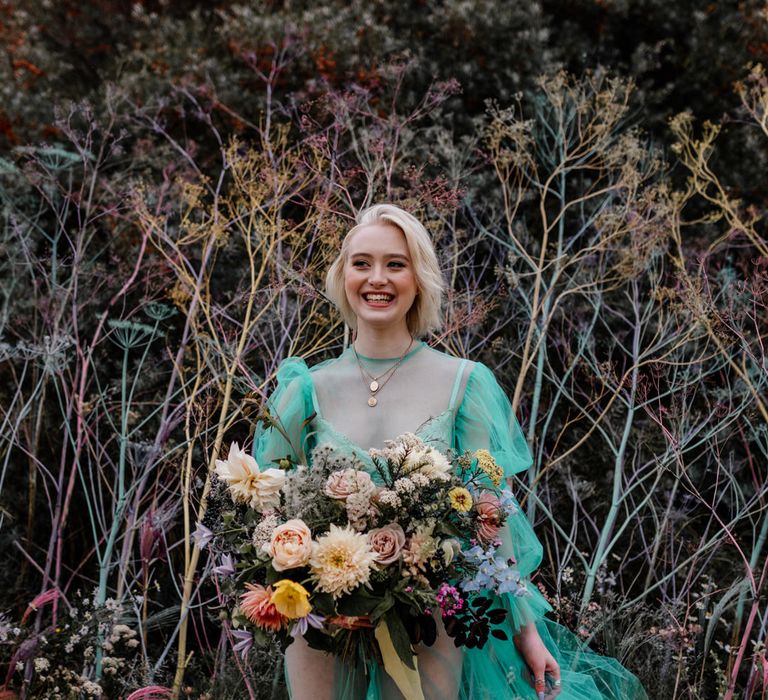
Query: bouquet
(358, 562)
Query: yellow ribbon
(406, 679)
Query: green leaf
(399, 636)
(324, 603)
(386, 604)
(360, 602)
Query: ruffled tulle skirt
(496, 671)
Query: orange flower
(257, 606)
(349, 622)
(489, 517)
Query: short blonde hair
(426, 313)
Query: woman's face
(378, 277)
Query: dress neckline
(418, 345)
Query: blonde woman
(387, 284)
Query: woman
(387, 284)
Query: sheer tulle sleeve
(289, 407)
(485, 420)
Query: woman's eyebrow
(388, 256)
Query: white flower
(41, 664)
(247, 483)
(341, 561)
(388, 498)
(428, 462)
(359, 510)
(262, 534)
(450, 549)
(405, 485)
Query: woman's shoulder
(448, 360)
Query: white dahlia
(430, 462)
(247, 483)
(341, 560)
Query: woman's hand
(539, 660)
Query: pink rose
(344, 483)
(387, 542)
(290, 545)
(489, 517)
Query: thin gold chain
(372, 383)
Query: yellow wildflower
(461, 499)
(488, 464)
(291, 599)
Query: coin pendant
(372, 401)
(374, 386)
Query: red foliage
(6, 129)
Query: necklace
(374, 385)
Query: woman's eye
(359, 263)
(396, 264)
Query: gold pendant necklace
(374, 385)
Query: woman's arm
(539, 660)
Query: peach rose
(343, 484)
(290, 546)
(387, 542)
(489, 517)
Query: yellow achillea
(291, 599)
(490, 467)
(461, 499)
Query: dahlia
(247, 483)
(256, 604)
(341, 560)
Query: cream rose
(387, 543)
(290, 546)
(344, 483)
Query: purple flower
(244, 642)
(304, 623)
(202, 536)
(227, 566)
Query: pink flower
(291, 545)
(387, 542)
(257, 606)
(489, 517)
(344, 483)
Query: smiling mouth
(378, 298)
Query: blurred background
(175, 177)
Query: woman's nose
(378, 275)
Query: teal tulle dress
(448, 402)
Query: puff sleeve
(290, 407)
(485, 420)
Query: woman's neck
(382, 343)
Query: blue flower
(304, 623)
(227, 566)
(507, 502)
(202, 536)
(244, 642)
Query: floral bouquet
(359, 562)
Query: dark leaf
(361, 602)
(500, 634)
(429, 630)
(452, 626)
(399, 636)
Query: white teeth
(378, 297)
